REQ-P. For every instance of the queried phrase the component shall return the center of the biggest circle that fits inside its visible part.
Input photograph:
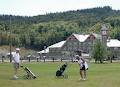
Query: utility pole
(10, 41)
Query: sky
(39, 7)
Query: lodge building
(66, 49)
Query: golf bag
(60, 72)
(29, 74)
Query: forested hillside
(43, 30)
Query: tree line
(44, 30)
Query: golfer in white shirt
(16, 61)
(83, 65)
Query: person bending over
(83, 66)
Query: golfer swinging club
(83, 65)
(16, 61)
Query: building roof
(84, 37)
(11, 53)
(97, 35)
(81, 38)
(57, 45)
(113, 43)
(104, 27)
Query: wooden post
(53, 59)
(71, 59)
(61, 59)
(3, 59)
(44, 58)
(37, 59)
(10, 41)
(29, 59)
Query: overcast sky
(37, 7)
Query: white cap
(17, 49)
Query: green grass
(99, 75)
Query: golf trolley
(60, 72)
(29, 74)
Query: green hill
(43, 30)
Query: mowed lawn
(99, 75)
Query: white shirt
(16, 57)
(80, 62)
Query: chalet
(66, 49)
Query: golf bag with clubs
(29, 74)
(60, 72)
